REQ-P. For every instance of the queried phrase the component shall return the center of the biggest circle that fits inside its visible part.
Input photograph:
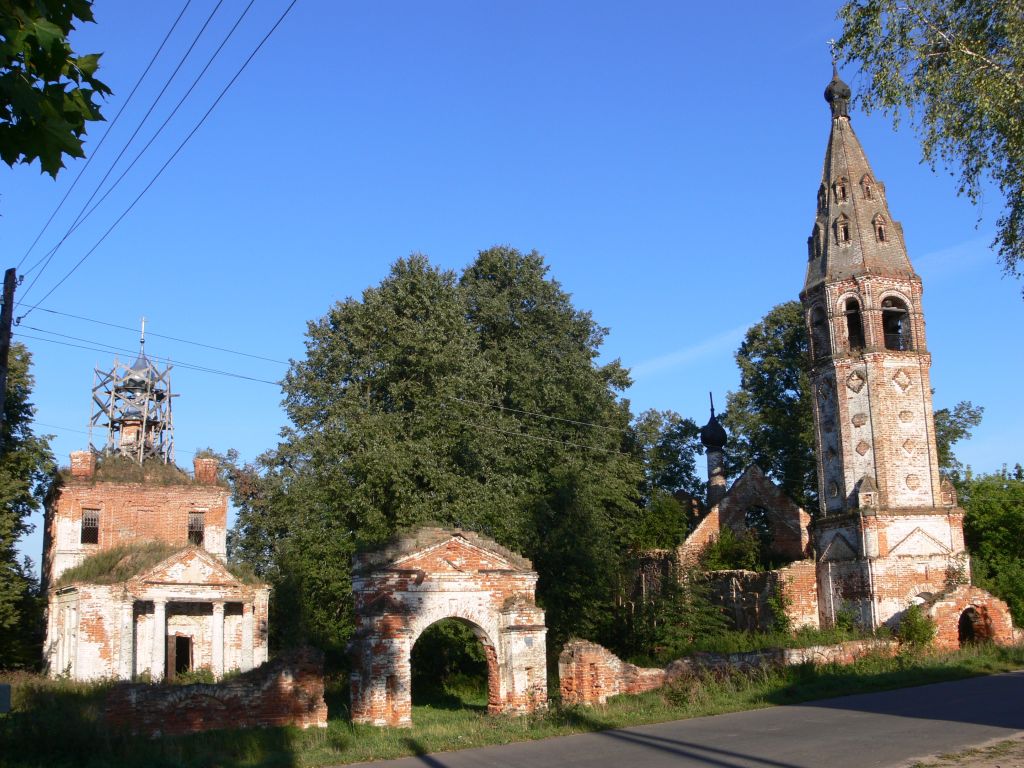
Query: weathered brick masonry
(286, 691)
(590, 674)
(436, 574)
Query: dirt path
(999, 754)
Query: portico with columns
(189, 612)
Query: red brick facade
(286, 691)
(436, 574)
(968, 614)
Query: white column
(127, 639)
(247, 638)
(217, 660)
(159, 651)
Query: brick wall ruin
(968, 614)
(746, 596)
(590, 674)
(288, 690)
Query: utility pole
(6, 318)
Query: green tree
(993, 530)
(952, 426)
(769, 418)
(47, 92)
(25, 467)
(473, 402)
(956, 67)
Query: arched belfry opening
(436, 574)
(896, 324)
(854, 324)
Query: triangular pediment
(838, 548)
(190, 566)
(455, 555)
(917, 543)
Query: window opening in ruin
(973, 627)
(182, 654)
(880, 229)
(854, 324)
(841, 190)
(896, 325)
(842, 227)
(449, 667)
(822, 198)
(869, 192)
(819, 333)
(196, 528)
(90, 526)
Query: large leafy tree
(473, 402)
(770, 418)
(25, 466)
(956, 67)
(47, 92)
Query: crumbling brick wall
(746, 596)
(989, 616)
(589, 673)
(288, 690)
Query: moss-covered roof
(125, 561)
(427, 536)
(121, 469)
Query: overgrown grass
(56, 723)
(120, 563)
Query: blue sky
(663, 156)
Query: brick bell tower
(889, 532)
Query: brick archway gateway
(435, 574)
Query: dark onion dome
(837, 94)
(712, 434)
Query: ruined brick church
(135, 550)
(889, 533)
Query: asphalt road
(876, 729)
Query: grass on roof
(120, 563)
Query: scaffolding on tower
(132, 403)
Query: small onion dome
(712, 434)
(837, 94)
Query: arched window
(842, 190)
(819, 333)
(843, 231)
(896, 325)
(868, 186)
(880, 229)
(854, 324)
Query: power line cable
(163, 336)
(542, 415)
(538, 437)
(111, 349)
(106, 133)
(164, 124)
(169, 160)
(80, 218)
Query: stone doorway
(437, 574)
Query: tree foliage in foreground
(957, 67)
(472, 400)
(47, 92)
(25, 465)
